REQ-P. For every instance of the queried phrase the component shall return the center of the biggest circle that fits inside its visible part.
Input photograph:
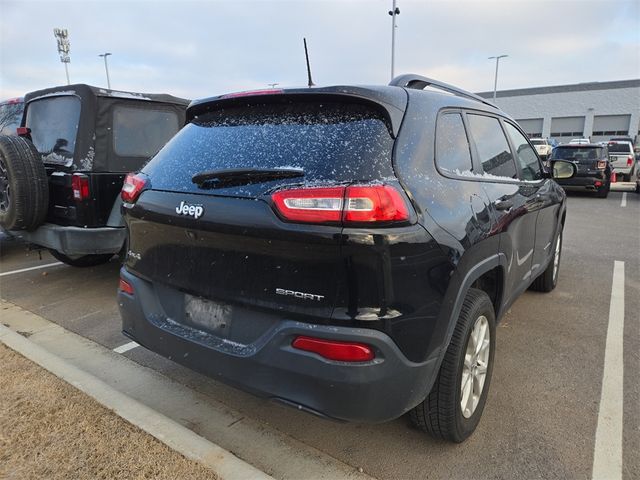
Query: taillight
(23, 131)
(602, 164)
(629, 161)
(125, 287)
(354, 204)
(134, 184)
(335, 350)
(80, 186)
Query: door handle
(503, 204)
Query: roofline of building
(577, 87)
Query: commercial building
(596, 110)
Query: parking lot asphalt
(542, 413)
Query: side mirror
(562, 169)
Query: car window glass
(10, 117)
(492, 146)
(54, 125)
(330, 141)
(452, 146)
(141, 132)
(525, 156)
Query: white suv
(543, 147)
(622, 158)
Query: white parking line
(30, 268)
(607, 455)
(126, 347)
(623, 202)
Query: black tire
(603, 192)
(637, 186)
(24, 188)
(440, 414)
(548, 279)
(84, 260)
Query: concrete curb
(223, 463)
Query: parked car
(10, 115)
(543, 147)
(307, 246)
(60, 180)
(593, 167)
(622, 158)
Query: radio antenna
(306, 54)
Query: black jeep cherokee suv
(345, 250)
(60, 179)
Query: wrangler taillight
(629, 161)
(134, 184)
(358, 204)
(80, 186)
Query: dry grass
(48, 429)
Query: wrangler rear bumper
(76, 240)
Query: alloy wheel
(474, 369)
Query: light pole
(495, 82)
(394, 12)
(106, 68)
(64, 46)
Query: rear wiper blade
(245, 175)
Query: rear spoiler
(391, 102)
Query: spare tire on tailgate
(24, 188)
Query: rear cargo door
(585, 158)
(221, 239)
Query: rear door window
(579, 154)
(525, 155)
(10, 117)
(54, 125)
(623, 148)
(452, 146)
(492, 146)
(141, 132)
(331, 142)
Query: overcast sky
(202, 48)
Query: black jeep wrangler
(61, 176)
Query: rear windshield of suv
(54, 125)
(577, 153)
(538, 142)
(620, 148)
(331, 142)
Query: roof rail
(411, 80)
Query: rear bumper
(584, 183)
(76, 240)
(375, 391)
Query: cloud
(203, 48)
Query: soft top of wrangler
(85, 128)
(83, 90)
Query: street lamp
(394, 12)
(64, 46)
(106, 68)
(495, 82)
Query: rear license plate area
(207, 315)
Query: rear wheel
(83, 260)
(24, 188)
(453, 408)
(548, 279)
